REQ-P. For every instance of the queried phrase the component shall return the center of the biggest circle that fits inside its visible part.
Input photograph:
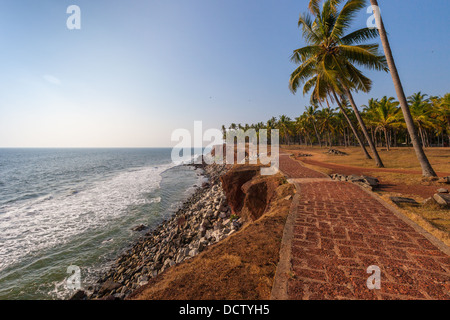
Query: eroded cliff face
(232, 183)
(248, 193)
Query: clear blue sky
(139, 69)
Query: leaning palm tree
(323, 88)
(334, 56)
(427, 169)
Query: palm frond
(359, 36)
(346, 17)
(365, 55)
(306, 22)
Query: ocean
(76, 207)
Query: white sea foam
(51, 220)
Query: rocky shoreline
(203, 220)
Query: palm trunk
(378, 161)
(309, 138)
(317, 134)
(344, 112)
(345, 141)
(427, 169)
(387, 139)
(421, 136)
(329, 139)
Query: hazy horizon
(137, 71)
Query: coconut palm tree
(443, 109)
(334, 56)
(383, 115)
(324, 86)
(284, 125)
(427, 169)
(327, 123)
(311, 117)
(439, 116)
(302, 127)
(420, 109)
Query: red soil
(387, 186)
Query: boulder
(108, 286)
(139, 228)
(79, 295)
(445, 180)
(443, 199)
(401, 200)
(193, 252)
(354, 178)
(442, 190)
(336, 152)
(373, 182)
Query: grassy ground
(400, 177)
(396, 158)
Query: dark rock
(442, 199)
(336, 152)
(139, 228)
(445, 180)
(401, 200)
(373, 182)
(108, 286)
(79, 295)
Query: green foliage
(382, 116)
(234, 217)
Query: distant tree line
(327, 126)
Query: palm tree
(284, 126)
(427, 169)
(311, 117)
(420, 109)
(301, 127)
(444, 110)
(333, 56)
(326, 123)
(344, 110)
(383, 114)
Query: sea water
(76, 207)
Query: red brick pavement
(340, 230)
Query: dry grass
(432, 218)
(396, 158)
(241, 267)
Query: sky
(137, 70)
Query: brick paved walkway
(338, 230)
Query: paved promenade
(336, 230)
